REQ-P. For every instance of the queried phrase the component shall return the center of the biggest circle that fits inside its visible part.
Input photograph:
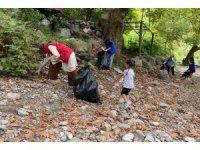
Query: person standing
(59, 53)
(170, 64)
(110, 45)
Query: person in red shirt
(57, 52)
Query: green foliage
(18, 46)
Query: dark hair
(129, 62)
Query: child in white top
(128, 83)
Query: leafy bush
(18, 46)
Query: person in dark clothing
(170, 63)
(192, 68)
(110, 45)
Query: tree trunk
(190, 54)
(152, 40)
(89, 12)
(112, 24)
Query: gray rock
(113, 113)
(75, 28)
(98, 33)
(74, 139)
(22, 112)
(128, 137)
(139, 134)
(65, 128)
(3, 127)
(155, 123)
(87, 30)
(134, 115)
(150, 59)
(123, 126)
(65, 33)
(164, 105)
(149, 138)
(189, 139)
(63, 123)
(147, 65)
(107, 126)
(163, 74)
(63, 137)
(3, 122)
(45, 22)
(163, 136)
(3, 102)
(13, 96)
(69, 135)
(137, 62)
(158, 60)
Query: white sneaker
(126, 105)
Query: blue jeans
(111, 61)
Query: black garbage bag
(186, 74)
(103, 60)
(86, 86)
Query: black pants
(172, 70)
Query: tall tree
(112, 24)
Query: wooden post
(140, 38)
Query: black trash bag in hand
(103, 60)
(186, 74)
(86, 86)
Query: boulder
(65, 33)
(45, 22)
(75, 28)
(150, 59)
(163, 74)
(158, 60)
(79, 45)
(147, 65)
(137, 62)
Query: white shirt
(129, 79)
(56, 56)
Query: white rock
(63, 137)
(65, 33)
(107, 126)
(22, 112)
(3, 127)
(189, 139)
(155, 123)
(123, 126)
(75, 140)
(163, 105)
(63, 123)
(118, 70)
(65, 128)
(13, 96)
(149, 138)
(3, 102)
(69, 135)
(128, 137)
(3, 122)
(113, 113)
(45, 22)
(87, 30)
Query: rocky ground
(41, 110)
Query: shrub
(18, 46)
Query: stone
(65, 33)
(63, 123)
(155, 123)
(45, 22)
(87, 30)
(98, 33)
(150, 59)
(14, 96)
(163, 74)
(22, 112)
(3, 122)
(3, 127)
(74, 139)
(149, 138)
(118, 70)
(134, 115)
(158, 60)
(139, 134)
(147, 65)
(164, 105)
(3, 102)
(75, 28)
(128, 137)
(107, 126)
(137, 62)
(69, 135)
(113, 113)
(189, 139)
(63, 137)
(65, 128)
(101, 138)
(80, 45)
(163, 136)
(123, 126)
